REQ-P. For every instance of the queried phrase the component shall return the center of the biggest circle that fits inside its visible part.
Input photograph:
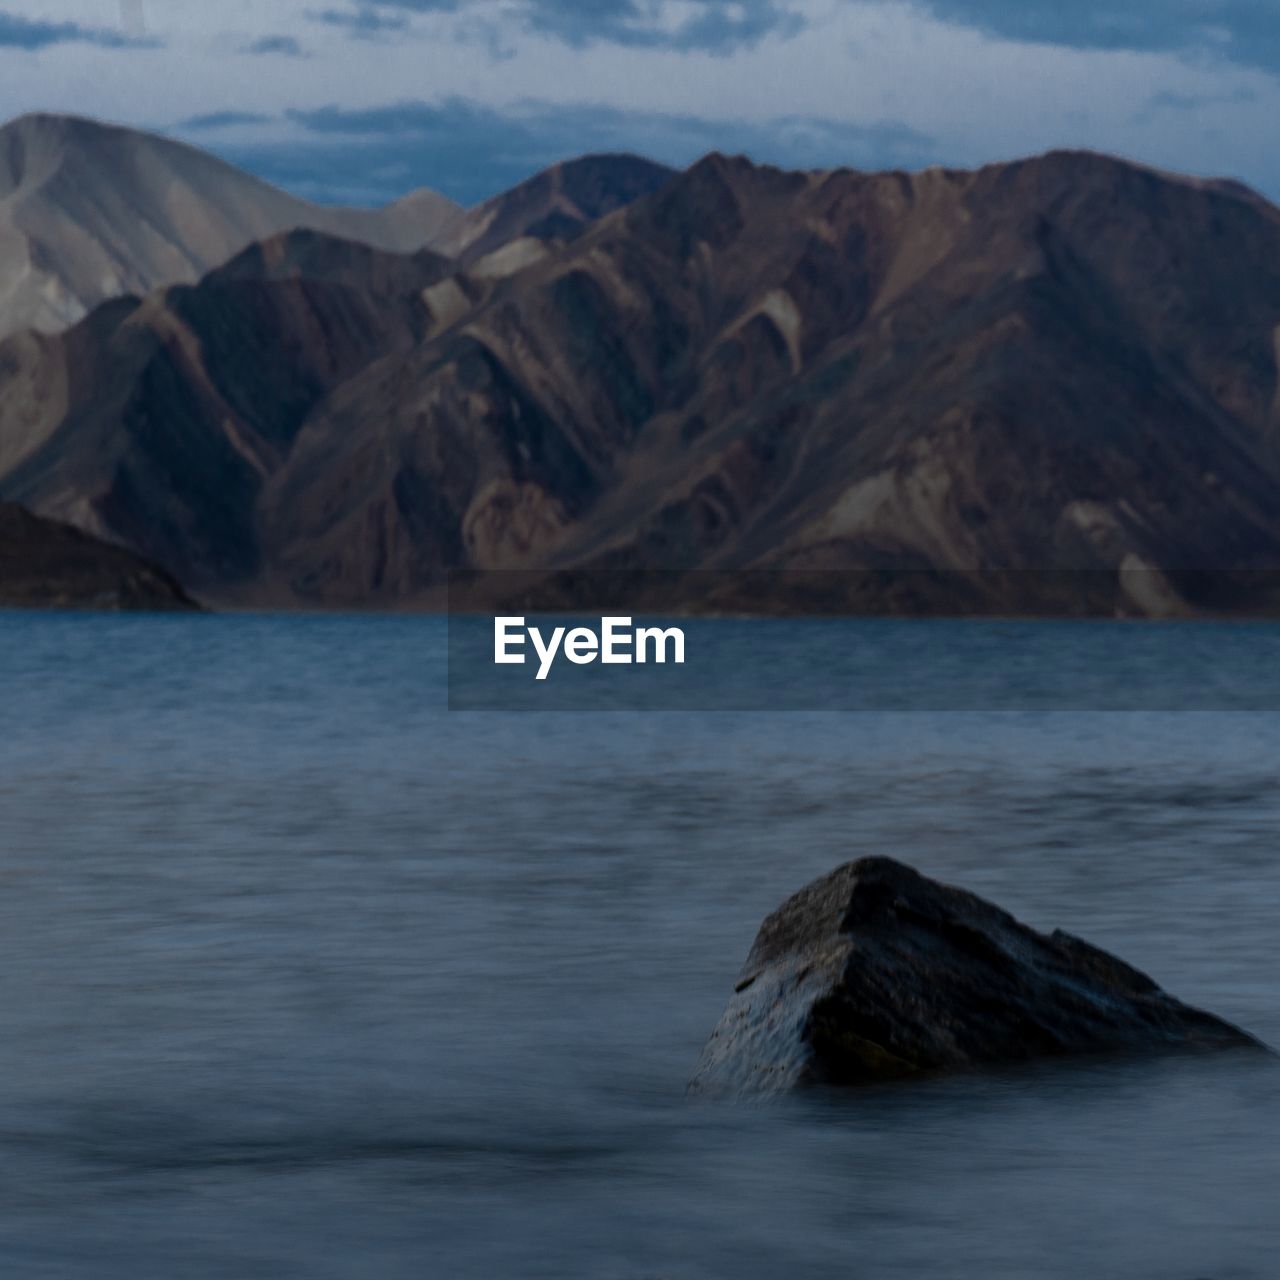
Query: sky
(360, 101)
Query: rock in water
(876, 973)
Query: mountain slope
(89, 212)
(1061, 363)
(44, 564)
(160, 418)
(1068, 363)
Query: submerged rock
(876, 973)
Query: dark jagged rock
(876, 973)
(48, 565)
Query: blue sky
(362, 100)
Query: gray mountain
(90, 212)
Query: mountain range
(1066, 363)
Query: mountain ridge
(1063, 363)
(555, 203)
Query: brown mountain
(155, 422)
(1065, 363)
(46, 564)
(554, 205)
(90, 211)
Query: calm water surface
(303, 976)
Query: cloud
(17, 32)
(716, 26)
(713, 25)
(222, 120)
(284, 46)
(1167, 101)
(1242, 31)
(469, 151)
(365, 23)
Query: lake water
(302, 975)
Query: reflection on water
(304, 977)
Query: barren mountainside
(160, 418)
(1066, 363)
